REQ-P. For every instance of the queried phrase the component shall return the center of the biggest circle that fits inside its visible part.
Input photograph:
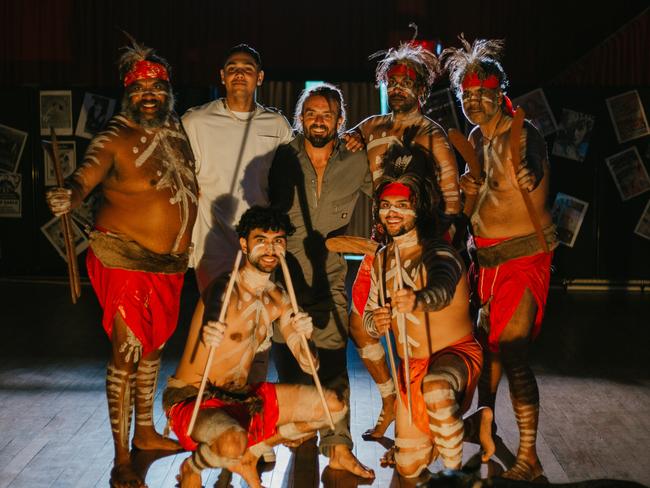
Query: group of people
(232, 176)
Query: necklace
(234, 116)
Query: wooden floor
(54, 429)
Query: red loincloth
(506, 284)
(260, 426)
(469, 350)
(361, 285)
(148, 302)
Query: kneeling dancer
(237, 422)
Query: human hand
(59, 200)
(353, 141)
(213, 333)
(404, 300)
(469, 185)
(303, 324)
(525, 178)
(383, 319)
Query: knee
(231, 444)
(337, 407)
(411, 463)
(437, 390)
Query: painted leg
(413, 450)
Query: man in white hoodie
(234, 140)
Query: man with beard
(514, 269)
(236, 422)
(139, 249)
(408, 73)
(317, 181)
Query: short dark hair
(330, 93)
(265, 218)
(244, 48)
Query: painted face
(320, 120)
(148, 102)
(480, 105)
(241, 75)
(403, 92)
(262, 248)
(397, 214)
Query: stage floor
(591, 365)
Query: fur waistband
(116, 252)
(519, 247)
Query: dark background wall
(578, 54)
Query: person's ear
(244, 245)
(260, 77)
(223, 77)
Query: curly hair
(138, 52)
(421, 60)
(265, 218)
(481, 57)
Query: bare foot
(524, 470)
(124, 476)
(188, 478)
(386, 417)
(478, 430)
(147, 439)
(247, 469)
(342, 458)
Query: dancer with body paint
(514, 270)
(444, 359)
(139, 249)
(317, 181)
(238, 422)
(408, 72)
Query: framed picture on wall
(12, 143)
(96, 111)
(54, 234)
(629, 173)
(628, 116)
(56, 111)
(572, 138)
(568, 213)
(11, 195)
(67, 156)
(441, 108)
(537, 110)
(643, 225)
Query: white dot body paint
(135, 150)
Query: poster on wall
(440, 107)
(67, 157)
(96, 111)
(11, 195)
(568, 213)
(54, 234)
(84, 214)
(629, 173)
(56, 111)
(643, 225)
(572, 139)
(628, 116)
(537, 110)
(12, 143)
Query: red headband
(396, 190)
(402, 69)
(146, 70)
(472, 79)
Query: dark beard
(133, 112)
(320, 141)
(404, 105)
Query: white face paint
(263, 248)
(402, 211)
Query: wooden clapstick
(466, 150)
(351, 245)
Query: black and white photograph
(537, 111)
(84, 214)
(441, 108)
(95, 112)
(628, 116)
(629, 173)
(568, 213)
(53, 231)
(67, 157)
(11, 195)
(56, 111)
(643, 225)
(572, 138)
(12, 143)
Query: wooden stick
(208, 363)
(305, 345)
(382, 302)
(66, 225)
(466, 150)
(401, 325)
(515, 144)
(352, 245)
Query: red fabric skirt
(260, 426)
(149, 303)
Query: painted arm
(444, 270)
(292, 327)
(376, 319)
(439, 146)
